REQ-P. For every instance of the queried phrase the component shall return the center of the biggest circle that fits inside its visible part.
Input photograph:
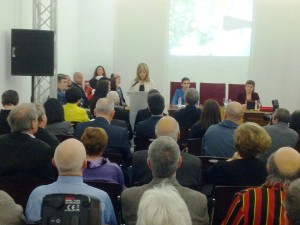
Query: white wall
(13, 14)
(119, 34)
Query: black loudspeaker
(70, 209)
(32, 52)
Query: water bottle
(179, 102)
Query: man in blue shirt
(70, 160)
(179, 93)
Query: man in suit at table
(190, 114)
(163, 160)
(146, 128)
(21, 154)
(188, 174)
(219, 138)
(118, 140)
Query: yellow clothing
(74, 113)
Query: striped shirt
(257, 206)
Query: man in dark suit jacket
(163, 160)
(146, 128)
(120, 112)
(41, 133)
(20, 153)
(190, 114)
(188, 174)
(77, 82)
(118, 140)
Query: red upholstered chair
(212, 91)
(176, 85)
(234, 90)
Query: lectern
(138, 100)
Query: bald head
(287, 160)
(78, 78)
(167, 126)
(234, 111)
(70, 158)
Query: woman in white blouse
(142, 82)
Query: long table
(249, 115)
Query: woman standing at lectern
(249, 94)
(142, 82)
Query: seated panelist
(179, 93)
(249, 94)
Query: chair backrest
(19, 188)
(194, 146)
(207, 161)
(212, 91)
(234, 90)
(113, 190)
(141, 143)
(223, 196)
(113, 157)
(62, 138)
(177, 85)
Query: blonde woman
(142, 82)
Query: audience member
(94, 140)
(144, 114)
(146, 128)
(62, 86)
(20, 153)
(292, 204)
(163, 160)
(56, 123)
(219, 139)
(189, 115)
(102, 88)
(118, 140)
(10, 212)
(115, 86)
(9, 99)
(281, 134)
(295, 125)
(263, 205)
(210, 115)
(163, 205)
(142, 82)
(41, 133)
(179, 93)
(73, 112)
(69, 81)
(249, 94)
(99, 74)
(188, 174)
(243, 169)
(70, 160)
(120, 112)
(77, 83)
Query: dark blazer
(146, 128)
(23, 155)
(4, 126)
(48, 138)
(142, 115)
(187, 116)
(122, 114)
(241, 172)
(118, 140)
(84, 100)
(188, 174)
(242, 97)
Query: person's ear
(53, 163)
(84, 164)
(179, 162)
(149, 164)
